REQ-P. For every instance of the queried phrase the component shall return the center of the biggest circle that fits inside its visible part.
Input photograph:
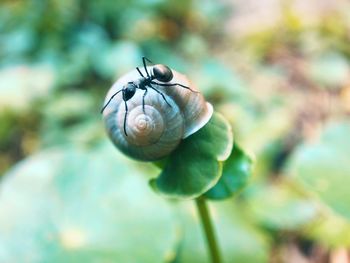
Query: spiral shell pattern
(154, 132)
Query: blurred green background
(278, 70)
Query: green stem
(208, 229)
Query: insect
(160, 75)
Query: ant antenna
(144, 59)
(110, 99)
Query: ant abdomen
(162, 73)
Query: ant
(160, 72)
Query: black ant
(159, 72)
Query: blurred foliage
(78, 207)
(323, 167)
(279, 71)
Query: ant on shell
(160, 72)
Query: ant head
(128, 91)
(162, 73)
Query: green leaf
(237, 170)
(323, 167)
(196, 165)
(70, 205)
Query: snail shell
(155, 133)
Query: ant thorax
(140, 82)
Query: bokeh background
(278, 70)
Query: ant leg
(140, 72)
(103, 108)
(161, 94)
(143, 100)
(125, 116)
(173, 84)
(144, 59)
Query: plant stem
(208, 229)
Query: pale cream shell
(154, 140)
